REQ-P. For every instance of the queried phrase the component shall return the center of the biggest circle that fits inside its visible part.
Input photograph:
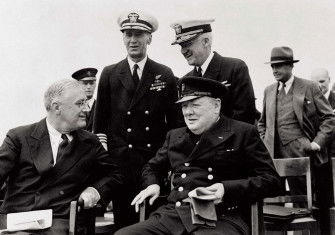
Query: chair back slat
(286, 199)
(292, 167)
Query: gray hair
(57, 89)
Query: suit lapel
(146, 80)
(212, 138)
(125, 77)
(213, 68)
(40, 148)
(271, 104)
(299, 90)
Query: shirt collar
(54, 134)
(140, 64)
(90, 102)
(204, 66)
(288, 83)
(327, 94)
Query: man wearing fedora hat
(297, 120)
(195, 39)
(135, 108)
(219, 167)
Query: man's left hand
(90, 196)
(315, 146)
(218, 189)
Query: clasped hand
(151, 191)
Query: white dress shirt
(55, 139)
(140, 66)
(204, 66)
(288, 84)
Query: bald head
(321, 76)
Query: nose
(85, 107)
(187, 110)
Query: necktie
(282, 89)
(61, 147)
(198, 71)
(135, 76)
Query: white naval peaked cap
(137, 20)
(188, 29)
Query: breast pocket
(309, 108)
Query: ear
(205, 41)
(55, 107)
(217, 105)
(149, 38)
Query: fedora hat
(281, 55)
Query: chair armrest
(82, 221)
(257, 220)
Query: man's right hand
(151, 191)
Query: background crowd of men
(146, 123)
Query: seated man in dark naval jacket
(53, 162)
(215, 158)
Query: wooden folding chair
(291, 167)
(85, 222)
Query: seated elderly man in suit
(219, 165)
(53, 162)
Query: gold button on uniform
(210, 169)
(130, 146)
(61, 192)
(210, 177)
(147, 128)
(187, 164)
(129, 130)
(178, 204)
(146, 112)
(183, 175)
(128, 113)
(180, 189)
(148, 145)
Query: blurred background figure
(321, 76)
(87, 79)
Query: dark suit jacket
(34, 183)
(136, 121)
(231, 152)
(313, 112)
(331, 99)
(89, 120)
(239, 103)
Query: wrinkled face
(136, 42)
(200, 114)
(71, 109)
(88, 86)
(194, 51)
(323, 80)
(282, 72)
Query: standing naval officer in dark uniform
(222, 158)
(87, 79)
(195, 39)
(135, 108)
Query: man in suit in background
(222, 157)
(297, 120)
(53, 162)
(195, 39)
(87, 79)
(135, 108)
(321, 76)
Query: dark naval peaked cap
(191, 87)
(190, 29)
(88, 73)
(137, 20)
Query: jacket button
(148, 145)
(187, 164)
(210, 169)
(183, 175)
(210, 177)
(146, 112)
(61, 192)
(130, 146)
(129, 130)
(180, 189)
(128, 113)
(178, 204)
(147, 128)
